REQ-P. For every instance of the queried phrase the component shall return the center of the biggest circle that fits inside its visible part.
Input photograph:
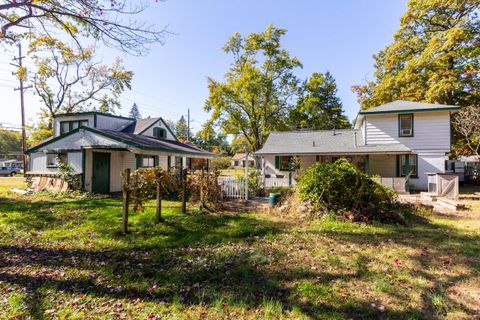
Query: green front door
(101, 172)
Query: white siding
(158, 124)
(56, 122)
(38, 162)
(431, 131)
(111, 123)
(427, 163)
(75, 160)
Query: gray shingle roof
(324, 142)
(408, 106)
(140, 125)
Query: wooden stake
(184, 191)
(126, 198)
(201, 190)
(159, 204)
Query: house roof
(140, 125)
(324, 142)
(91, 113)
(399, 106)
(137, 141)
(240, 156)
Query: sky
(335, 35)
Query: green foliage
(221, 163)
(69, 175)
(256, 95)
(69, 80)
(434, 57)
(342, 188)
(254, 182)
(10, 141)
(319, 107)
(204, 189)
(181, 129)
(134, 112)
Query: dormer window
(405, 125)
(66, 126)
(159, 133)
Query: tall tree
(318, 106)
(134, 112)
(181, 129)
(110, 21)
(256, 95)
(434, 56)
(68, 80)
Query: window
(148, 161)
(66, 126)
(54, 159)
(413, 161)
(178, 162)
(285, 162)
(159, 133)
(405, 125)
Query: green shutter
(277, 162)
(398, 171)
(139, 160)
(156, 161)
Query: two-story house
(101, 146)
(401, 140)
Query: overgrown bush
(204, 189)
(254, 183)
(343, 189)
(221, 163)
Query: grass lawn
(66, 259)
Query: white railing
(274, 182)
(232, 187)
(396, 183)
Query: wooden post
(126, 198)
(184, 190)
(201, 190)
(159, 204)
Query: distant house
(101, 146)
(238, 160)
(400, 141)
(13, 163)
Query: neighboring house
(101, 146)
(390, 141)
(238, 160)
(14, 164)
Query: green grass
(66, 258)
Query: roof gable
(400, 106)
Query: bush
(342, 188)
(221, 163)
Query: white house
(101, 146)
(238, 160)
(398, 139)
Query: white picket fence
(232, 187)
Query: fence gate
(232, 187)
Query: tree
(68, 80)
(181, 129)
(319, 107)
(212, 140)
(110, 21)
(134, 112)
(10, 142)
(467, 124)
(434, 57)
(256, 95)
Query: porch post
(407, 172)
(367, 165)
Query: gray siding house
(400, 141)
(101, 146)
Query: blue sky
(335, 35)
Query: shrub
(221, 163)
(204, 189)
(342, 188)
(254, 183)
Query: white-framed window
(148, 161)
(66, 126)
(55, 159)
(405, 125)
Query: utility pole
(188, 125)
(22, 105)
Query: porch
(387, 169)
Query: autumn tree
(318, 106)
(256, 94)
(434, 57)
(10, 142)
(467, 123)
(109, 21)
(69, 80)
(134, 112)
